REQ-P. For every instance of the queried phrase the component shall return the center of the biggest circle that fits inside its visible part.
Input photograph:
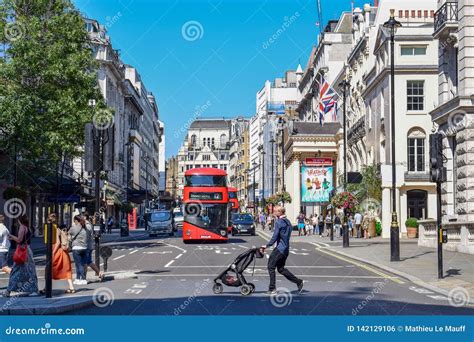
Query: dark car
(243, 224)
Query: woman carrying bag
(23, 278)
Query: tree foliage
(370, 187)
(47, 77)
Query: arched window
(223, 140)
(416, 150)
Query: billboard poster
(316, 183)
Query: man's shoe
(271, 292)
(300, 286)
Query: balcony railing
(448, 13)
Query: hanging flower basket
(345, 200)
(14, 192)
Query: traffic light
(437, 170)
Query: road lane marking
(158, 252)
(169, 264)
(119, 257)
(134, 251)
(181, 249)
(225, 266)
(179, 256)
(359, 264)
(265, 275)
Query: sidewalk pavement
(61, 302)
(417, 264)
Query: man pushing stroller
(281, 236)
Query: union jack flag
(327, 101)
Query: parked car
(243, 224)
(160, 222)
(178, 220)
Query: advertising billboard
(316, 183)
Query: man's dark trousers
(277, 261)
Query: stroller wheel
(218, 288)
(252, 286)
(246, 289)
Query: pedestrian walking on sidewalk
(90, 249)
(277, 260)
(337, 225)
(4, 246)
(78, 241)
(23, 278)
(358, 223)
(315, 224)
(62, 266)
(328, 222)
(301, 224)
(350, 225)
(321, 224)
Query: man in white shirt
(358, 223)
(4, 245)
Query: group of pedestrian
(266, 221)
(16, 255)
(322, 224)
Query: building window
(193, 140)
(223, 140)
(222, 156)
(415, 95)
(416, 150)
(206, 157)
(413, 50)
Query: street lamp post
(254, 164)
(272, 142)
(281, 122)
(263, 177)
(392, 26)
(345, 237)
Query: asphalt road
(176, 279)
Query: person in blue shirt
(277, 260)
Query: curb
(46, 308)
(119, 275)
(410, 277)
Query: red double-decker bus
(206, 205)
(233, 199)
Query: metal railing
(446, 13)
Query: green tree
(370, 187)
(47, 77)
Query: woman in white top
(4, 246)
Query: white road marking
(183, 279)
(296, 253)
(119, 257)
(179, 256)
(265, 275)
(134, 251)
(181, 249)
(169, 264)
(164, 252)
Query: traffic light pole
(440, 232)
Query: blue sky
(223, 58)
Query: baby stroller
(233, 275)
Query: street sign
(318, 161)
